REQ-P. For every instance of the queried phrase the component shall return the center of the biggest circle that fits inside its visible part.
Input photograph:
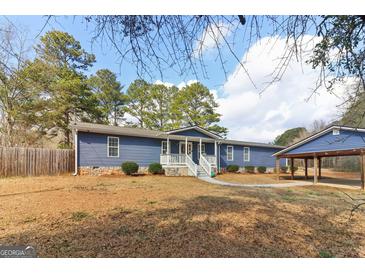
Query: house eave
(120, 131)
(202, 130)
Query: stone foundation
(100, 171)
(177, 171)
(242, 170)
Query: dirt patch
(157, 216)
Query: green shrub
(283, 169)
(130, 168)
(232, 168)
(250, 169)
(261, 169)
(155, 168)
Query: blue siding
(259, 156)
(192, 133)
(347, 139)
(92, 150)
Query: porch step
(201, 172)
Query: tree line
(41, 97)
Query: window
(229, 153)
(113, 146)
(336, 132)
(203, 149)
(164, 147)
(246, 154)
(182, 148)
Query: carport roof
(355, 151)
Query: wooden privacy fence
(19, 161)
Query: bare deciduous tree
(12, 87)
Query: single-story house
(190, 151)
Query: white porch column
(215, 152)
(200, 148)
(168, 150)
(186, 147)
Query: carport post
(292, 168)
(277, 167)
(319, 167)
(306, 168)
(362, 161)
(315, 167)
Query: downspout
(76, 153)
(219, 157)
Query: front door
(182, 148)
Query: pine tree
(58, 72)
(108, 92)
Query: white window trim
(248, 154)
(203, 150)
(189, 144)
(232, 153)
(162, 144)
(107, 146)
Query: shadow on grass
(204, 226)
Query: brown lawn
(242, 178)
(351, 179)
(156, 216)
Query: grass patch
(123, 231)
(325, 254)
(289, 196)
(79, 215)
(314, 193)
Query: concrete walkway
(282, 185)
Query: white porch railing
(203, 162)
(173, 159)
(191, 165)
(207, 162)
(211, 159)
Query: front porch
(199, 157)
(180, 159)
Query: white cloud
(167, 84)
(254, 117)
(250, 116)
(213, 35)
(188, 83)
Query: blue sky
(247, 114)
(106, 56)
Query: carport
(333, 141)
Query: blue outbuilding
(333, 141)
